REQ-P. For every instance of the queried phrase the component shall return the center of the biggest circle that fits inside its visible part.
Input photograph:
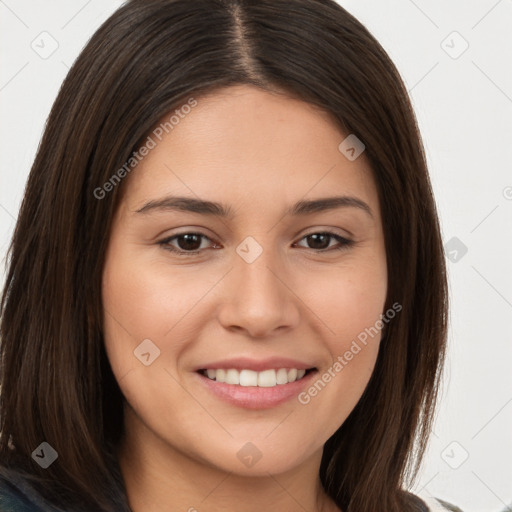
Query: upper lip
(245, 363)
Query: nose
(257, 298)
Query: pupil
(190, 242)
(316, 237)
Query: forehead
(245, 145)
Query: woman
(227, 286)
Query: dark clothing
(17, 496)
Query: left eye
(319, 239)
(190, 243)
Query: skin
(258, 153)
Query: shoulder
(17, 496)
(438, 505)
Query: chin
(257, 458)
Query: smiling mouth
(264, 379)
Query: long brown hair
(148, 58)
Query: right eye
(188, 243)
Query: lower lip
(254, 397)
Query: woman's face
(261, 289)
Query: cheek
(349, 300)
(350, 305)
(141, 301)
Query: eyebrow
(189, 204)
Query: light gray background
(463, 101)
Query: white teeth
(232, 377)
(267, 379)
(248, 378)
(264, 379)
(282, 376)
(292, 374)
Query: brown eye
(321, 241)
(184, 243)
(318, 240)
(189, 242)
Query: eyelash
(345, 243)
